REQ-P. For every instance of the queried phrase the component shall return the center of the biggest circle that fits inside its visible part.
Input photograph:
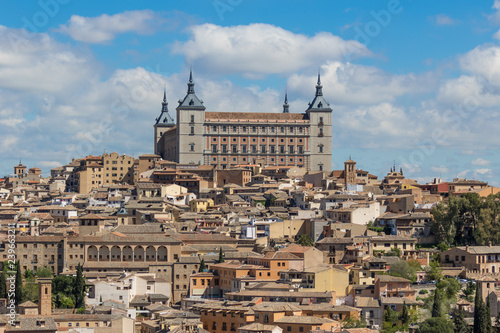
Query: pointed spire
(319, 87)
(190, 83)
(286, 107)
(164, 104)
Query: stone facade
(227, 139)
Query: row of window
(257, 129)
(272, 160)
(254, 149)
(254, 140)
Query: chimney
(467, 248)
(489, 244)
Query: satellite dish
(259, 205)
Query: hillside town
(169, 247)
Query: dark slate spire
(319, 87)
(319, 102)
(164, 118)
(286, 107)
(191, 101)
(190, 83)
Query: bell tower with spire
(190, 130)
(320, 119)
(162, 124)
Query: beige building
(227, 139)
(475, 259)
(118, 169)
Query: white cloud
(104, 28)
(440, 169)
(443, 19)
(259, 49)
(482, 171)
(49, 164)
(481, 162)
(347, 83)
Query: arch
(150, 253)
(139, 253)
(92, 253)
(162, 253)
(116, 253)
(127, 253)
(104, 253)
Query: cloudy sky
(415, 82)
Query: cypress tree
(436, 306)
(3, 285)
(487, 317)
(203, 267)
(460, 323)
(79, 289)
(221, 255)
(19, 285)
(405, 315)
(477, 311)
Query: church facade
(227, 139)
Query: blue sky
(415, 82)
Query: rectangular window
(254, 129)
(214, 128)
(290, 149)
(254, 149)
(263, 149)
(214, 148)
(224, 128)
(234, 149)
(224, 149)
(320, 148)
(192, 118)
(192, 129)
(301, 149)
(243, 148)
(282, 129)
(282, 149)
(235, 128)
(272, 148)
(244, 128)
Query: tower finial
(164, 93)
(190, 83)
(319, 87)
(286, 107)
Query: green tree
(460, 324)
(351, 322)
(79, 289)
(29, 274)
(390, 323)
(3, 284)
(436, 305)
(487, 317)
(305, 240)
(19, 290)
(405, 315)
(469, 289)
(395, 251)
(221, 255)
(435, 325)
(203, 267)
(405, 269)
(44, 272)
(434, 271)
